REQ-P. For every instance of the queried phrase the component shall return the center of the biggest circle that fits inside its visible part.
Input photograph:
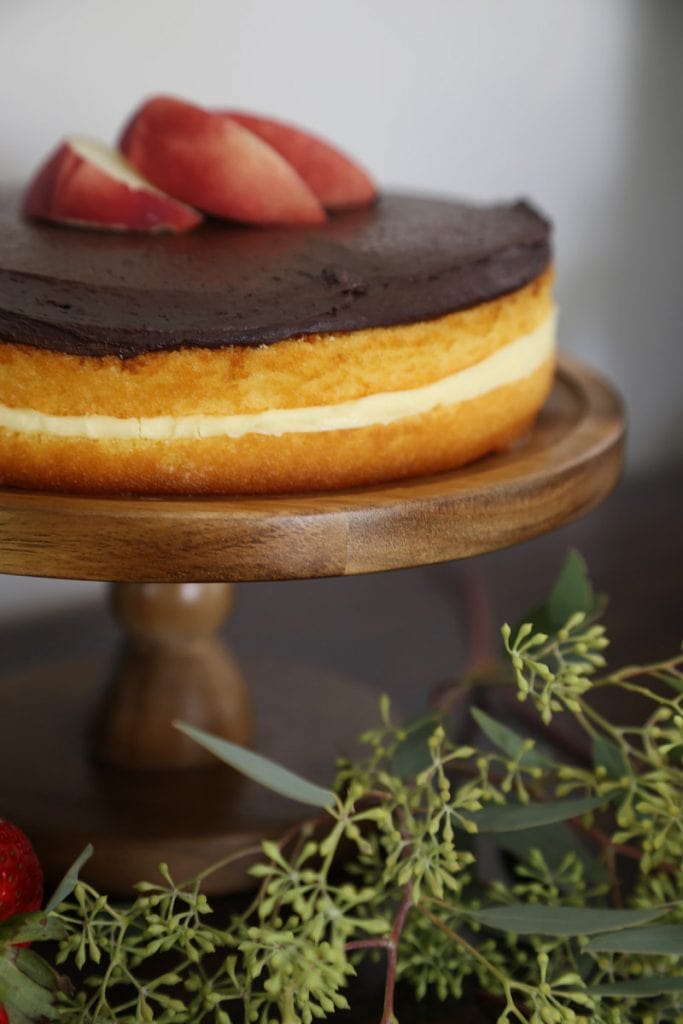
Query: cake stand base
(188, 818)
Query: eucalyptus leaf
(33, 927)
(534, 919)
(508, 740)
(260, 769)
(511, 818)
(69, 881)
(572, 592)
(412, 753)
(640, 988)
(609, 756)
(658, 940)
(18, 990)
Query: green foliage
(29, 986)
(70, 880)
(583, 924)
(260, 769)
(572, 592)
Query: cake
(405, 338)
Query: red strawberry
(21, 878)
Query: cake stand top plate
(570, 461)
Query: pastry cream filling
(512, 362)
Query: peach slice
(217, 165)
(86, 184)
(338, 182)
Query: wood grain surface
(568, 464)
(172, 666)
(64, 797)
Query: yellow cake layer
(300, 372)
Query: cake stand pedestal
(85, 762)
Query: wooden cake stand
(82, 762)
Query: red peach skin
(338, 182)
(217, 165)
(84, 183)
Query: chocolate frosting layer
(408, 258)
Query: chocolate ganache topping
(405, 259)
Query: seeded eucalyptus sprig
(583, 921)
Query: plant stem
(390, 944)
(507, 983)
(611, 862)
(569, 744)
(367, 944)
(248, 851)
(599, 720)
(478, 621)
(633, 671)
(392, 955)
(634, 852)
(642, 691)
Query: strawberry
(21, 878)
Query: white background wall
(575, 103)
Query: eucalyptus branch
(507, 984)
(622, 677)
(232, 858)
(389, 865)
(392, 956)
